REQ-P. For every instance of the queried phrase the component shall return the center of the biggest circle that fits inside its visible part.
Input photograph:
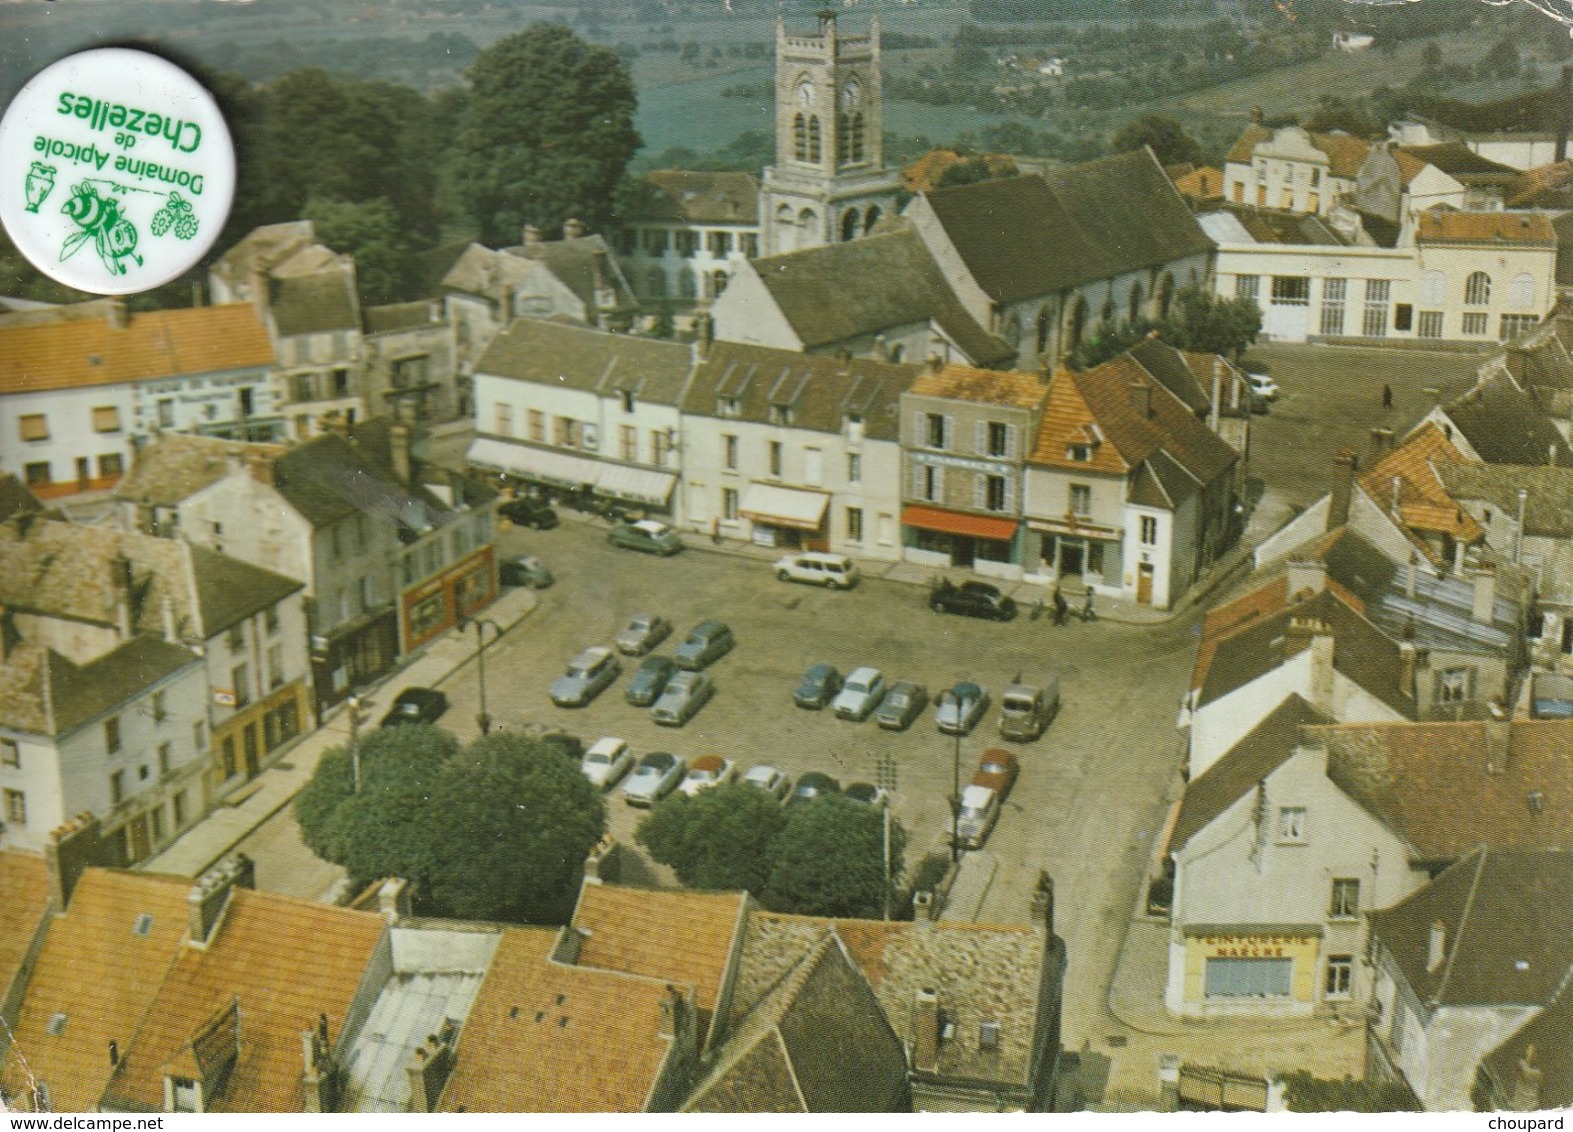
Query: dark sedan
(902, 704)
(416, 705)
(650, 680)
(818, 687)
(972, 599)
(528, 511)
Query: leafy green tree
(512, 821)
(1208, 324)
(970, 170)
(1306, 1093)
(719, 838)
(829, 860)
(548, 130)
(371, 232)
(1163, 135)
(382, 829)
(1105, 342)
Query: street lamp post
(955, 787)
(354, 710)
(482, 719)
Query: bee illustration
(99, 217)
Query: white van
(836, 571)
(980, 809)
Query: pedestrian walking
(1387, 397)
(1088, 613)
(1061, 607)
(715, 531)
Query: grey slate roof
(1267, 747)
(326, 480)
(682, 196)
(1544, 1041)
(573, 262)
(44, 693)
(1457, 160)
(1022, 237)
(566, 356)
(229, 590)
(838, 292)
(315, 303)
(1506, 426)
(1548, 506)
(821, 391)
(1508, 917)
(401, 316)
(1169, 367)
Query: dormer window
(728, 407)
(780, 414)
(1079, 453)
(628, 400)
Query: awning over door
(959, 523)
(784, 506)
(564, 468)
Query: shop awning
(784, 506)
(533, 463)
(957, 523)
(640, 484)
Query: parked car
(528, 511)
(957, 710)
(1026, 709)
(768, 779)
(834, 571)
(642, 633)
(606, 761)
(706, 643)
(818, 687)
(525, 570)
(416, 705)
(868, 794)
(654, 777)
(997, 770)
(813, 785)
(980, 809)
(860, 695)
(649, 680)
(587, 677)
(707, 771)
(902, 704)
(648, 535)
(685, 694)
(972, 599)
(1263, 386)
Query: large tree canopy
(499, 830)
(1165, 136)
(830, 860)
(718, 839)
(546, 134)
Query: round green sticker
(116, 171)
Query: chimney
(1043, 903)
(167, 607)
(1344, 466)
(674, 1013)
(704, 326)
(1322, 649)
(1257, 117)
(1564, 111)
(604, 296)
(71, 848)
(1412, 576)
(429, 1067)
(1306, 577)
(120, 578)
(399, 450)
(925, 1031)
(923, 908)
(209, 896)
(570, 941)
(318, 1077)
(1524, 1096)
(1499, 742)
(1436, 945)
(532, 236)
(1482, 612)
(572, 229)
(1141, 397)
(1406, 668)
(393, 899)
(1381, 443)
(1215, 408)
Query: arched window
(1044, 322)
(1477, 289)
(1078, 323)
(687, 285)
(808, 221)
(1433, 289)
(843, 137)
(849, 224)
(857, 135)
(799, 138)
(1135, 301)
(1521, 292)
(1165, 294)
(813, 138)
(871, 218)
(897, 352)
(1106, 314)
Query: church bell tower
(829, 182)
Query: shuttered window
(106, 418)
(34, 426)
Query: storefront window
(427, 616)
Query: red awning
(956, 523)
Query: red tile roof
(1439, 224)
(167, 343)
(1423, 501)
